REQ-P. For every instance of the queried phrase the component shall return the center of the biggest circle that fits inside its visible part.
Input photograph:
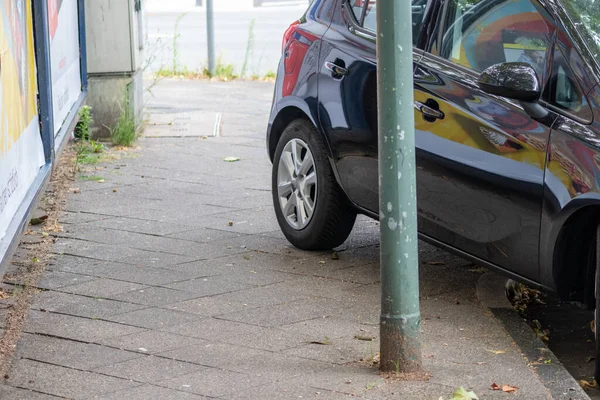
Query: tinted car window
(357, 8)
(481, 33)
(370, 18)
(565, 92)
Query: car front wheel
(312, 210)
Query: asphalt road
(232, 30)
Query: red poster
(53, 7)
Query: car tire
(312, 210)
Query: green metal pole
(400, 316)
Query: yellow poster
(21, 150)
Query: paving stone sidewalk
(179, 285)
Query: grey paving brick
(288, 313)
(96, 251)
(148, 369)
(154, 318)
(208, 306)
(12, 393)
(204, 235)
(247, 221)
(101, 287)
(78, 217)
(210, 285)
(73, 384)
(260, 296)
(213, 382)
(331, 328)
(288, 391)
(155, 296)
(157, 259)
(258, 337)
(71, 354)
(59, 279)
(76, 328)
(74, 264)
(338, 351)
(152, 341)
(145, 392)
(142, 226)
(82, 306)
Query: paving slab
(180, 285)
(73, 383)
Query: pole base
(400, 345)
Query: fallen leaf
(100, 181)
(548, 361)
(231, 159)
(497, 351)
(44, 234)
(588, 384)
(39, 220)
(509, 388)
(462, 394)
(322, 262)
(365, 338)
(115, 190)
(495, 386)
(335, 256)
(230, 223)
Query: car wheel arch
(284, 117)
(572, 274)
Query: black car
(511, 182)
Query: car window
(565, 92)
(481, 33)
(370, 14)
(357, 8)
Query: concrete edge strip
(553, 375)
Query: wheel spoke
(290, 206)
(301, 213)
(284, 189)
(288, 163)
(309, 205)
(310, 179)
(296, 151)
(307, 164)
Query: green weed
(83, 129)
(126, 130)
(249, 48)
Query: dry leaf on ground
(509, 388)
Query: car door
(348, 96)
(481, 158)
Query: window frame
(562, 111)
(357, 27)
(354, 26)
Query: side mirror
(515, 81)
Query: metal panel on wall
(63, 17)
(21, 149)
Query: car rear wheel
(312, 210)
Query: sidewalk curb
(554, 376)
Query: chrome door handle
(336, 70)
(428, 111)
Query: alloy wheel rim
(297, 184)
